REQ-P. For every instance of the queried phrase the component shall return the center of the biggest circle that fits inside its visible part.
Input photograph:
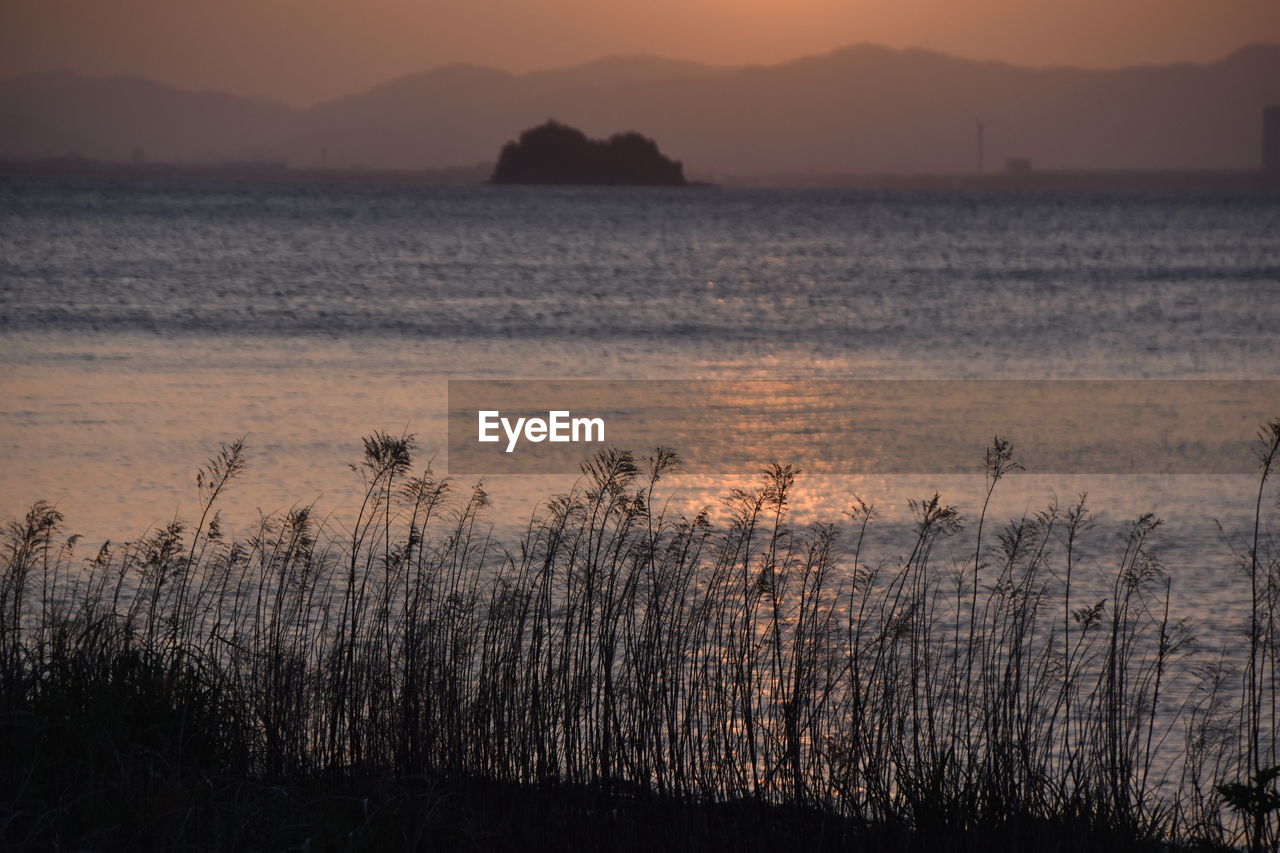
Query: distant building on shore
(1271, 139)
(255, 166)
(1018, 166)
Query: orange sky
(301, 51)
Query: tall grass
(318, 687)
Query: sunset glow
(303, 51)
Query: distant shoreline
(1087, 180)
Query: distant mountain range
(863, 109)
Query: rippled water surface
(141, 324)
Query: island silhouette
(555, 153)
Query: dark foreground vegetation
(621, 679)
(554, 153)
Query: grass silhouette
(619, 678)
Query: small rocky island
(554, 153)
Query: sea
(144, 324)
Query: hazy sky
(301, 51)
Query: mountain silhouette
(59, 112)
(862, 109)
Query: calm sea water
(141, 324)
(965, 284)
